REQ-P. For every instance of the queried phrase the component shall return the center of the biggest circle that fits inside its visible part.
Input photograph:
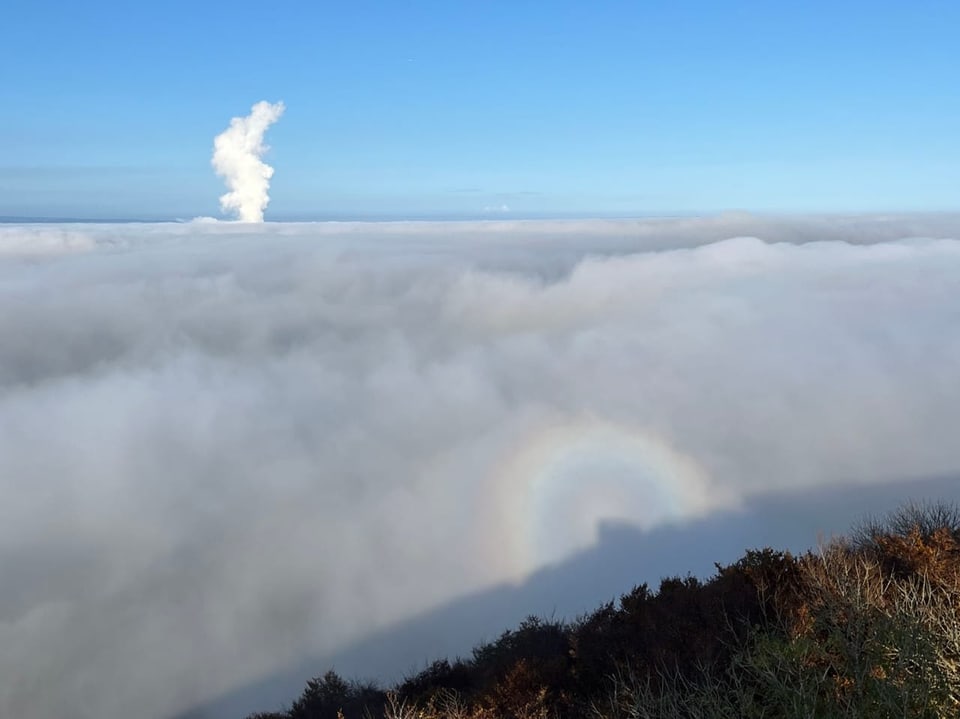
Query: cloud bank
(41, 241)
(237, 158)
(220, 453)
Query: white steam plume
(237, 153)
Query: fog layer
(225, 447)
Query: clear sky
(447, 107)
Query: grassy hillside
(866, 626)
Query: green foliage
(440, 679)
(865, 628)
(332, 697)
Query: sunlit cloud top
(225, 446)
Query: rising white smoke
(237, 153)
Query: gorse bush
(926, 519)
(865, 627)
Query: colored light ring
(560, 482)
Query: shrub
(867, 627)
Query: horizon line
(376, 217)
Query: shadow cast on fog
(622, 558)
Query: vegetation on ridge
(867, 626)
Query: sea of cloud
(226, 446)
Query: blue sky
(420, 108)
